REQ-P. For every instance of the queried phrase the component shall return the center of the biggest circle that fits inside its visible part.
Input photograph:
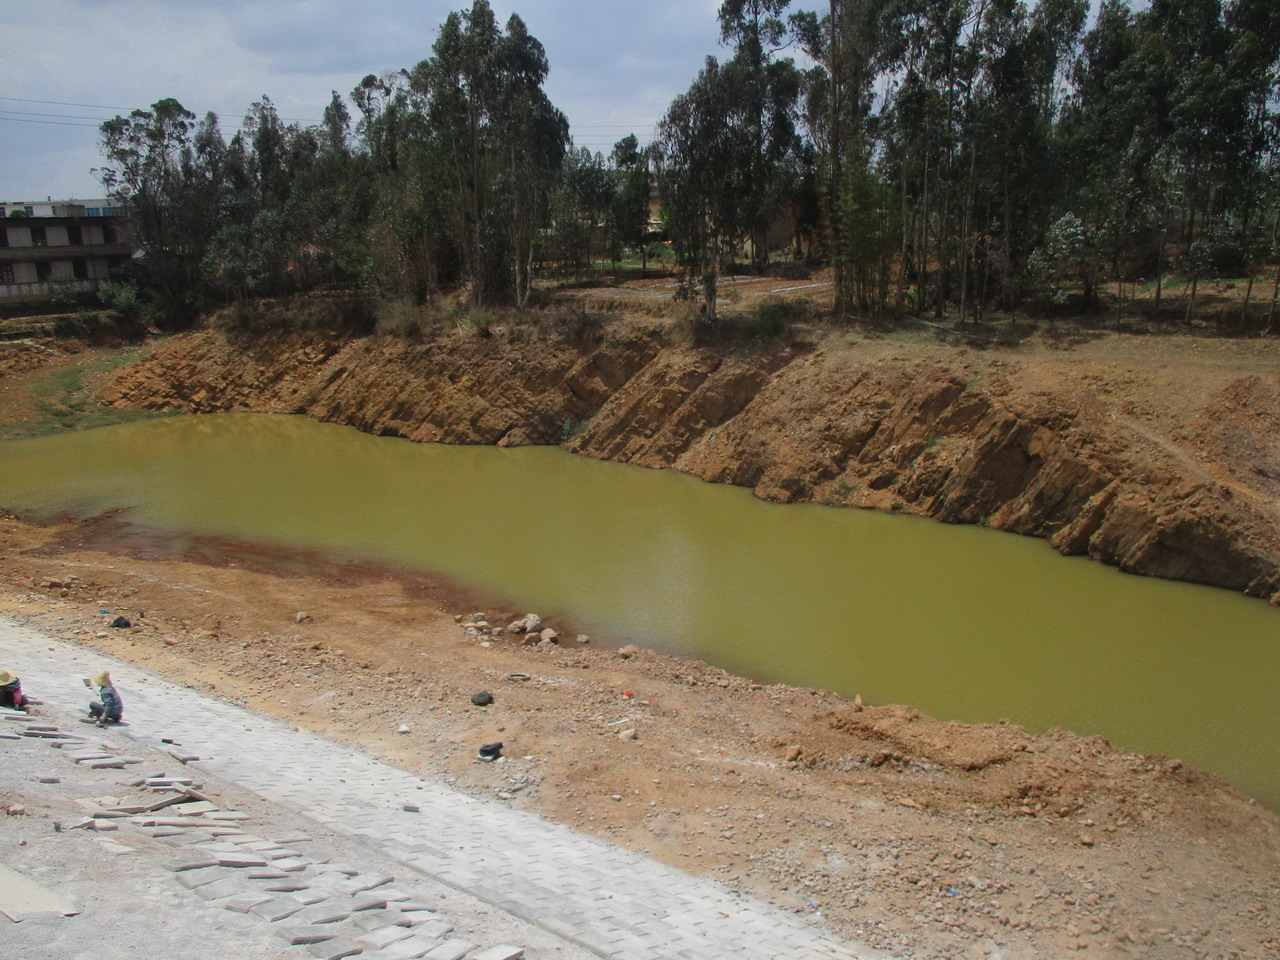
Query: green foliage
(503, 142)
(570, 428)
(121, 296)
(769, 320)
(727, 149)
(1065, 255)
(869, 235)
(62, 291)
(941, 155)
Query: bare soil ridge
(1153, 454)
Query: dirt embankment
(1156, 455)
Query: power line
(56, 116)
(54, 123)
(99, 106)
(630, 127)
(63, 103)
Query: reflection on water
(960, 622)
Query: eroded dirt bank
(928, 839)
(1156, 455)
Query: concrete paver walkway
(615, 903)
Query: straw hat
(6, 678)
(102, 679)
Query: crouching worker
(110, 709)
(11, 694)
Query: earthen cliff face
(959, 437)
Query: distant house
(47, 246)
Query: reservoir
(960, 622)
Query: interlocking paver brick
(304, 935)
(451, 950)
(437, 929)
(265, 873)
(500, 952)
(367, 901)
(193, 863)
(335, 949)
(321, 913)
(411, 949)
(285, 886)
(199, 877)
(219, 889)
(616, 902)
(383, 936)
(277, 909)
(241, 860)
(373, 919)
(246, 902)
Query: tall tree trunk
(1275, 280)
(900, 296)
(1275, 297)
(1007, 248)
(944, 259)
(1159, 271)
(964, 234)
(922, 269)
(834, 146)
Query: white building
(74, 244)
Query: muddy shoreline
(921, 837)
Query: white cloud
(614, 65)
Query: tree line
(951, 157)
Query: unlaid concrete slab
(21, 897)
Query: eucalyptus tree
(699, 151)
(629, 208)
(766, 109)
(856, 46)
(166, 171)
(581, 205)
(503, 141)
(1012, 158)
(383, 103)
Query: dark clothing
(111, 708)
(11, 696)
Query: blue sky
(69, 64)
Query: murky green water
(960, 622)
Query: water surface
(963, 623)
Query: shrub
(570, 429)
(769, 319)
(122, 297)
